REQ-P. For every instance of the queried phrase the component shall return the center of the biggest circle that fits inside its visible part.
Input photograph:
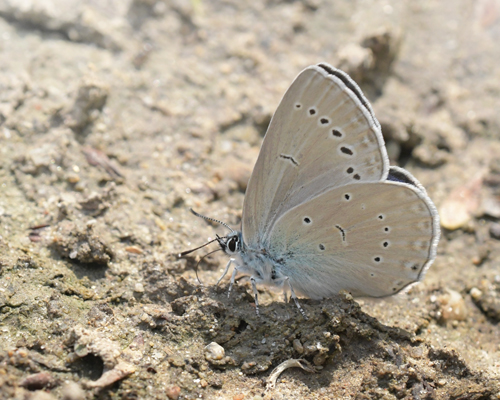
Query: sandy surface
(118, 116)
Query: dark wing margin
(346, 79)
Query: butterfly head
(230, 244)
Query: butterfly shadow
(336, 336)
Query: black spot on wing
(346, 150)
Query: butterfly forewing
(322, 136)
(372, 239)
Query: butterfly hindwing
(372, 239)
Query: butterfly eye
(232, 244)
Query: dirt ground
(116, 117)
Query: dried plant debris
(292, 363)
(98, 158)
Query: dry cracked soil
(117, 117)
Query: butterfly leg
(225, 271)
(254, 289)
(294, 297)
(233, 277)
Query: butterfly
(324, 211)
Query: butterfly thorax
(257, 263)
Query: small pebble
(297, 346)
(41, 395)
(319, 359)
(38, 381)
(248, 365)
(461, 204)
(475, 293)
(72, 391)
(417, 352)
(133, 250)
(73, 178)
(173, 392)
(453, 306)
(214, 351)
(139, 287)
(495, 231)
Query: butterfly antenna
(198, 263)
(211, 219)
(185, 253)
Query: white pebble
(475, 293)
(214, 351)
(297, 346)
(139, 287)
(453, 306)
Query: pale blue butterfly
(323, 210)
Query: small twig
(305, 365)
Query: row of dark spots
(326, 121)
(378, 259)
(350, 170)
(308, 221)
(312, 110)
(323, 120)
(336, 133)
(381, 217)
